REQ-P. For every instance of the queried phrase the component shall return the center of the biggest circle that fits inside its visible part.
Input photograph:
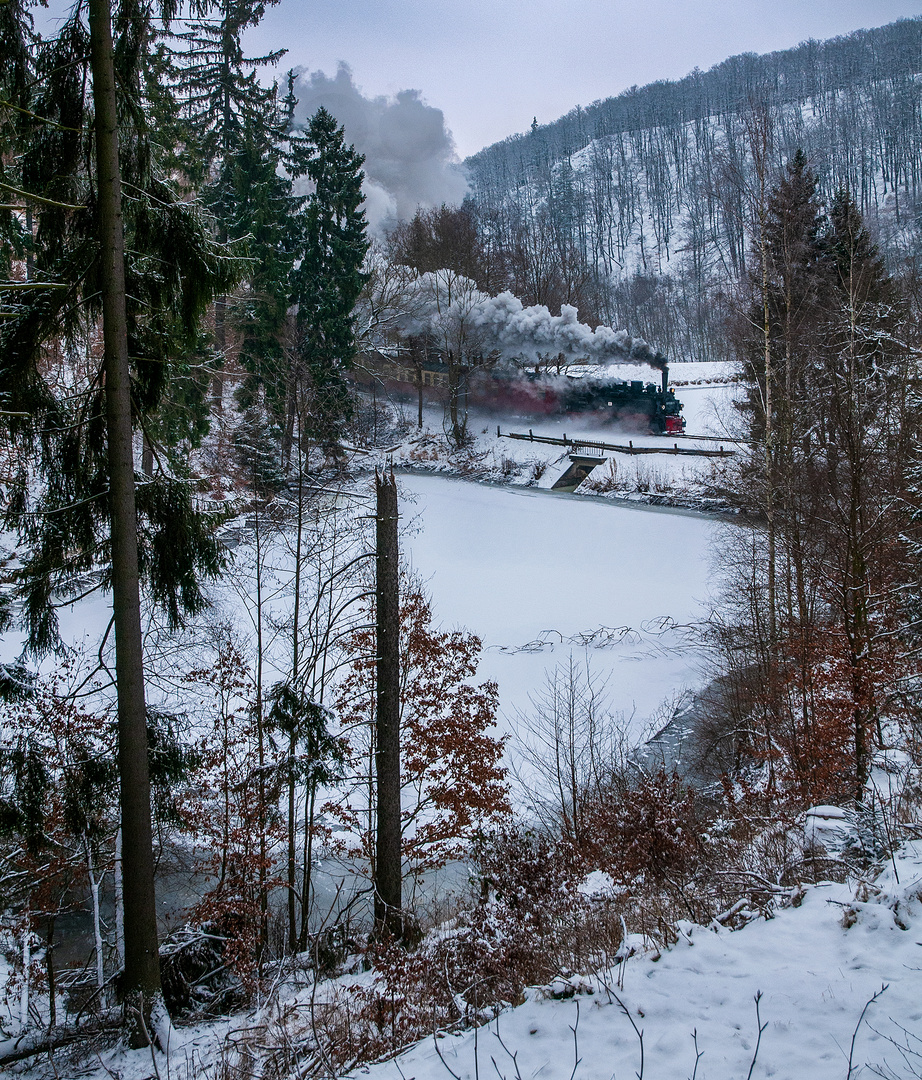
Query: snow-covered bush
(530, 925)
(650, 830)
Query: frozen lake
(540, 577)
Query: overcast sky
(491, 65)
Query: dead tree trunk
(387, 875)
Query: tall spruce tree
(16, 44)
(824, 349)
(223, 112)
(329, 279)
(866, 443)
(215, 84)
(781, 330)
(266, 216)
(143, 268)
(777, 343)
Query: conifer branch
(39, 198)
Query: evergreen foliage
(329, 279)
(827, 371)
(173, 271)
(216, 90)
(16, 41)
(797, 286)
(228, 129)
(266, 215)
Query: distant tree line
(640, 198)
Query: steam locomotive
(584, 390)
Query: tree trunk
(769, 418)
(261, 814)
(147, 456)
(141, 981)
(310, 802)
(220, 340)
(119, 896)
(455, 412)
(95, 883)
(292, 739)
(418, 356)
(26, 974)
(288, 433)
(49, 973)
(387, 872)
(30, 258)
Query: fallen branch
(59, 1039)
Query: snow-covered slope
(815, 969)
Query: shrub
(646, 831)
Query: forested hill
(647, 197)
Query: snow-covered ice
(536, 575)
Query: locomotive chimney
(665, 378)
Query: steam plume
(456, 314)
(410, 157)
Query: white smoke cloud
(410, 157)
(462, 319)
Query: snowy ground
(815, 977)
(684, 1012)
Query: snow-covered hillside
(790, 997)
(652, 193)
(824, 988)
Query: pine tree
(780, 331)
(223, 111)
(794, 288)
(329, 278)
(824, 357)
(865, 441)
(215, 85)
(87, 510)
(16, 43)
(266, 214)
